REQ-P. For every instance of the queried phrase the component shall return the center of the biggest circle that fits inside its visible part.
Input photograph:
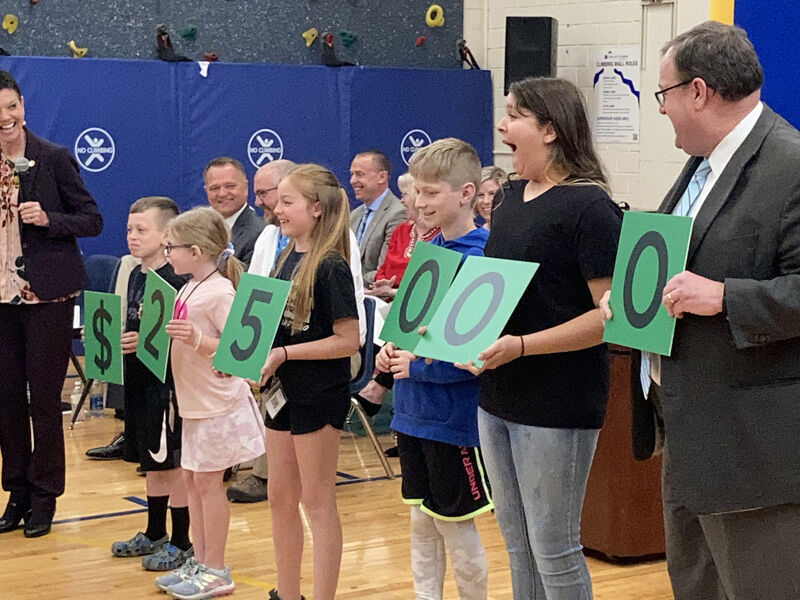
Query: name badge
(274, 399)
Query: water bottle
(96, 400)
(74, 398)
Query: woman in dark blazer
(44, 206)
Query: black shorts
(152, 424)
(447, 482)
(308, 418)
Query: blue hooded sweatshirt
(439, 401)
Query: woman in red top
(401, 244)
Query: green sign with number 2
(153, 345)
(251, 326)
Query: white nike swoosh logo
(161, 455)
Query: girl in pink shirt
(221, 423)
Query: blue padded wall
(772, 27)
(168, 120)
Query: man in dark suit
(374, 221)
(729, 394)
(226, 186)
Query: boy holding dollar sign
(152, 424)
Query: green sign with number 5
(251, 325)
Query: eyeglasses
(660, 93)
(170, 247)
(261, 194)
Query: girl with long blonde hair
(310, 360)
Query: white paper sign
(616, 95)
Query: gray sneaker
(168, 558)
(204, 583)
(138, 545)
(251, 489)
(184, 572)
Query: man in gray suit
(226, 186)
(729, 394)
(374, 221)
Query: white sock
(428, 560)
(467, 556)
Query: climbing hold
(34, 1)
(77, 52)
(10, 23)
(211, 56)
(420, 40)
(309, 35)
(188, 32)
(348, 38)
(435, 16)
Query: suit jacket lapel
(675, 193)
(720, 193)
(32, 152)
(374, 222)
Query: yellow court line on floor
(93, 543)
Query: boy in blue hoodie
(436, 404)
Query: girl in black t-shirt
(310, 357)
(543, 394)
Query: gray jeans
(538, 477)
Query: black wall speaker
(531, 48)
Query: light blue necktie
(682, 209)
(362, 227)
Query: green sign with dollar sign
(102, 331)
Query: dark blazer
(375, 243)
(52, 259)
(244, 233)
(730, 391)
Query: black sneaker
(113, 451)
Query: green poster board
(424, 284)
(102, 334)
(157, 304)
(251, 325)
(475, 309)
(652, 249)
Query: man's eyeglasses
(660, 93)
(170, 247)
(261, 194)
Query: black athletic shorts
(447, 482)
(152, 423)
(308, 418)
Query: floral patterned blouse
(14, 288)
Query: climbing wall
(367, 32)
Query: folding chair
(363, 378)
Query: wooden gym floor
(103, 503)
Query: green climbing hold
(348, 38)
(189, 33)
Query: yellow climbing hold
(309, 35)
(10, 23)
(77, 52)
(435, 16)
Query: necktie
(362, 227)
(682, 209)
